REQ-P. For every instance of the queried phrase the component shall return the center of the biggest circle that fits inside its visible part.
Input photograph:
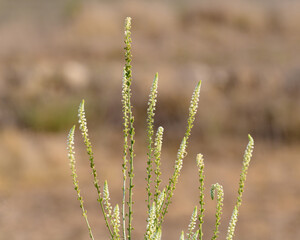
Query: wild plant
(119, 221)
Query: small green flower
(116, 222)
(182, 236)
(151, 226)
(232, 224)
(157, 235)
(195, 236)
(192, 225)
(106, 199)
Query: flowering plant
(119, 221)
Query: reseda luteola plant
(158, 201)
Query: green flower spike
(182, 149)
(157, 154)
(116, 222)
(106, 202)
(182, 236)
(87, 142)
(220, 197)
(192, 225)
(151, 227)
(150, 132)
(246, 162)
(71, 156)
(157, 201)
(200, 165)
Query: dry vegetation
(54, 53)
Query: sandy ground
(38, 202)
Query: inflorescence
(119, 224)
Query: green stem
(200, 164)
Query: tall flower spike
(157, 235)
(200, 165)
(157, 154)
(71, 156)
(106, 202)
(193, 110)
(87, 142)
(192, 224)
(220, 197)
(182, 150)
(246, 162)
(160, 202)
(174, 179)
(232, 224)
(159, 205)
(127, 49)
(180, 156)
(151, 226)
(125, 109)
(131, 131)
(116, 222)
(195, 236)
(150, 132)
(182, 236)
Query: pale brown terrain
(55, 53)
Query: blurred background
(55, 53)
